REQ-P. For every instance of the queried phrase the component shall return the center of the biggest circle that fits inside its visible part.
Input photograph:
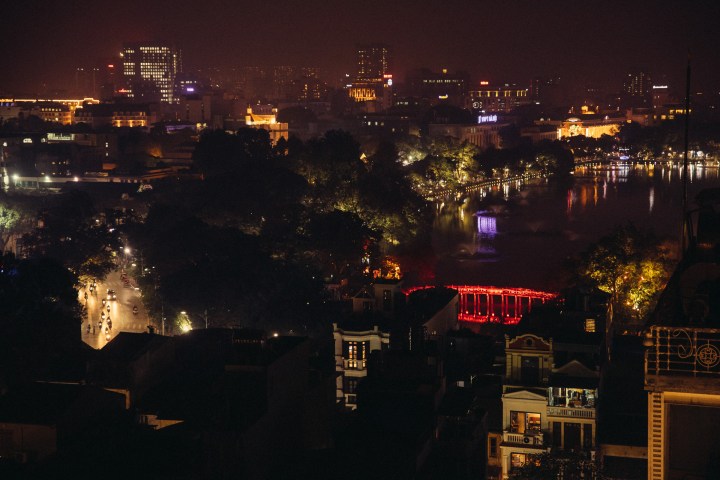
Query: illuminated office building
(637, 89)
(373, 62)
(504, 98)
(149, 70)
(373, 81)
(438, 87)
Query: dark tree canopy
(68, 231)
(219, 152)
(39, 315)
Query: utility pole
(206, 324)
(683, 231)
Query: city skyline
(496, 40)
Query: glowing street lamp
(184, 322)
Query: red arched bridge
(493, 304)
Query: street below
(120, 312)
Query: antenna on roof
(684, 232)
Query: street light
(185, 323)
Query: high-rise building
(548, 91)
(637, 88)
(149, 70)
(109, 77)
(372, 85)
(438, 87)
(373, 62)
(86, 81)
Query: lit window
(590, 325)
(524, 422)
(356, 354)
(517, 460)
(352, 354)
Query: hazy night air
(43, 41)
(367, 239)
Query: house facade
(545, 408)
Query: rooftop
(45, 403)
(127, 346)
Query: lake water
(521, 235)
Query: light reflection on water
(539, 225)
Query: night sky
(43, 41)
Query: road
(121, 310)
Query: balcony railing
(571, 412)
(354, 364)
(688, 352)
(529, 440)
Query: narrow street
(120, 312)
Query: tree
(387, 202)
(17, 215)
(219, 152)
(39, 316)
(339, 242)
(331, 165)
(10, 219)
(631, 265)
(563, 161)
(68, 232)
(228, 274)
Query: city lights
(430, 233)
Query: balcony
(354, 364)
(570, 412)
(682, 358)
(527, 440)
(344, 364)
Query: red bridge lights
(487, 304)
